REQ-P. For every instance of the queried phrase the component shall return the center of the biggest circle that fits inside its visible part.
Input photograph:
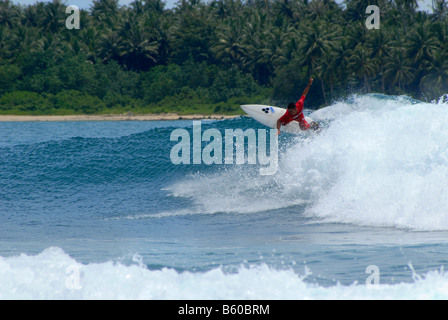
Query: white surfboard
(269, 115)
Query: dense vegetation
(205, 57)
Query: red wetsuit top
(299, 117)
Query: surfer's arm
(279, 124)
(305, 92)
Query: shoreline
(114, 117)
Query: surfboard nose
(244, 107)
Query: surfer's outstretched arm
(279, 124)
(305, 92)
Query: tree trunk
(323, 90)
(331, 88)
(366, 82)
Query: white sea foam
(381, 161)
(52, 275)
(384, 163)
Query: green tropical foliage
(212, 56)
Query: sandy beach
(114, 117)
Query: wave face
(380, 161)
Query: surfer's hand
(278, 132)
(310, 82)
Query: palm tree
(227, 8)
(105, 12)
(422, 44)
(48, 44)
(440, 8)
(3, 43)
(20, 40)
(404, 10)
(435, 82)
(264, 44)
(284, 8)
(338, 69)
(398, 69)
(109, 45)
(231, 47)
(355, 34)
(363, 65)
(155, 6)
(53, 17)
(32, 14)
(88, 36)
(136, 49)
(355, 9)
(316, 43)
(8, 14)
(323, 9)
(379, 44)
(191, 33)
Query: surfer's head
(292, 108)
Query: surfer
(295, 113)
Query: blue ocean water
(103, 204)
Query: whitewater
(97, 210)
